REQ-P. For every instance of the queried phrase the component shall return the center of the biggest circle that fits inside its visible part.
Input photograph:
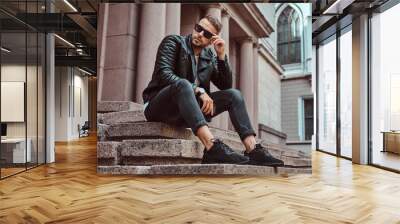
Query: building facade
(294, 52)
(257, 72)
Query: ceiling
(328, 15)
(74, 22)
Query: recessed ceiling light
(84, 71)
(70, 5)
(338, 6)
(5, 50)
(64, 40)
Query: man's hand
(219, 46)
(208, 104)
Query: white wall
(70, 84)
(33, 127)
(12, 73)
(80, 83)
(62, 81)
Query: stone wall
(292, 91)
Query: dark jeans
(177, 104)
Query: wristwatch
(200, 91)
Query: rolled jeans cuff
(247, 133)
(198, 125)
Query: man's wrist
(199, 91)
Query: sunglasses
(207, 34)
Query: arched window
(289, 37)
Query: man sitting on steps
(179, 93)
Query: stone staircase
(128, 144)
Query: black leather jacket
(175, 60)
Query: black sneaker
(221, 153)
(261, 157)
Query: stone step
(122, 117)
(149, 152)
(108, 153)
(142, 130)
(130, 112)
(115, 106)
(201, 169)
(162, 148)
(161, 130)
(165, 151)
(160, 152)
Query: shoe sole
(216, 162)
(267, 164)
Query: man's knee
(183, 85)
(235, 94)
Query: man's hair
(215, 22)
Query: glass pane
(14, 153)
(386, 89)
(308, 118)
(346, 94)
(31, 97)
(41, 99)
(327, 96)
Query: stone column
(101, 46)
(152, 31)
(247, 74)
(233, 60)
(215, 10)
(117, 38)
(224, 120)
(173, 19)
(225, 30)
(256, 86)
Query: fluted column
(152, 31)
(247, 75)
(225, 30)
(256, 86)
(224, 121)
(214, 10)
(117, 38)
(173, 19)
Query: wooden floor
(10, 171)
(387, 159)
(70, 191)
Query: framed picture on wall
(12, 101)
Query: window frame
(302, 117)
(289, 40)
